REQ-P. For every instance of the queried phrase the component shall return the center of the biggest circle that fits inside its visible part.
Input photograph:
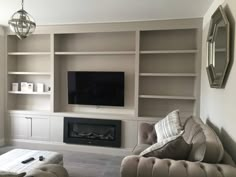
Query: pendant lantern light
(22, 23)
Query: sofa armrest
(136, 166)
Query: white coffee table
(11, 161)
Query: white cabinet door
(19, 127)
(39, 128)
(29, 127)
(56, 129)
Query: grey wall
(218, 106)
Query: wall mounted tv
(96, 88)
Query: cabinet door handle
(31, 127)
(28, 117)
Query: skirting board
(69, 147)
(2, 142)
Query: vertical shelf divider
(137, 63)
(198, 71)
(52, 49)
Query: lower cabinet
(50, 128)
(29, 127)
(18, 127)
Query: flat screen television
(96, 88)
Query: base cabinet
(29, 127)
(39, 128)
(19, 127)
(50, 128)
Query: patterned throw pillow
(169, 126)
(172, 148)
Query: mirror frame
(217, 82)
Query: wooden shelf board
(221, 50)
(96, 115)
(29, 73)
(167, 51)
(29, 53)
(167, 97)
(28, 93)
(130, 117)
(168, 74)
(159, 117)
(37, 112)
(97, 53)
(156, 119)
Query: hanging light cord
(22, 4)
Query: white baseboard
(2, 142)
(69, 147)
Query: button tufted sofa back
(147, 134)
(206, 146)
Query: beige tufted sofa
(207, 157)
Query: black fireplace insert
(98, 132)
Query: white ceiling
(89, 11)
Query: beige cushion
(169, 126)
(206, 146)
(10, 174)
(49, 170)
(173, 148)
(214, 148)
(191, 128)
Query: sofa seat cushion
(49, 170)
(10, 174)
(206, 146)
(169, 126)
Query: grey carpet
(79, 164)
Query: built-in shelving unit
(161, 61)
(167, 72)
(160, 65)
(29, 60)
(96, 51)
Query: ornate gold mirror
(218, 41)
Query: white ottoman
(11, 161)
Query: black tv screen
(96, 88)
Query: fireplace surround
(98, 132)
